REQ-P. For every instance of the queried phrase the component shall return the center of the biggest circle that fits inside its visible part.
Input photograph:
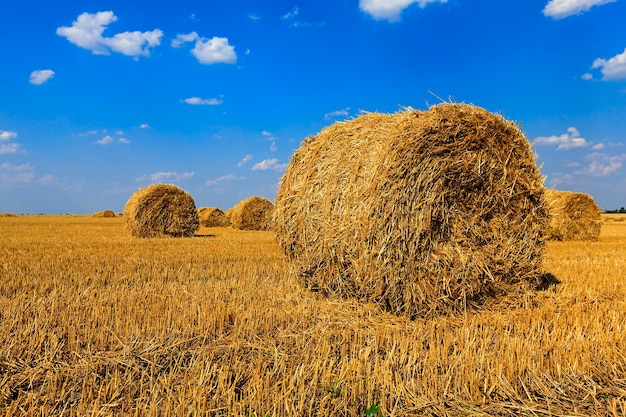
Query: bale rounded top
(253, 213)
(161, 210)
(573, 216)
(418, 211)
(105, 213)
(213, 217)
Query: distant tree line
(621, 210)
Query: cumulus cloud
(558, 9)
(612, 68)
(87, 32)
(6, 147)
(566, 141)
(208, 51)
(244, 160)
(222, 179)
(603, 165)
(39, 77)
(197, 101)
(7, 135)
(159, 177)
(391, 9)
(15, 175)
(269, 165)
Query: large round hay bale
(161, 210)
(573, 216)
(212, 217)
(253, 213)
(105, 213)
(422, 212)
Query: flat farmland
(94, 322)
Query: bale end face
(422, 212)
(161, 210)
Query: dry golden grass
(95, 322)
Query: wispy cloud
(343, 113)
(159, 177)
(108, 140)
(270, 137)
(613, 68)
(558, 9)
(144, 126)
(15, 175)
(222, 179)
(208, 51)
(87, 32)
(269, 165)
(198, 101)
(245, 159)
(391, 10)
(569, 140)
(603, 165)
(39, 77)
(7, 147)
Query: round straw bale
(161, 210)
(212, 217)
(573, 216)
(105, 213)
(253, 213)
(422, 212)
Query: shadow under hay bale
(573, 216)
(160, 210)
(422, 212)
(253, 213)
(105, 213)
(212, 217)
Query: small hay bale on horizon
(421, 212)
(573, 216)
(105, 213)
(161, 210)
(253, 213)
(212, 217)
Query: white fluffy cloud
(39, 77)
(569, 140)
(603, 165)
(269, 165)
(7, 135)
(159, 177)
(558, 9)
(391, 9)
(612, 68)
(86, 31)
(208, 51)
(6, 147)
(197, 101)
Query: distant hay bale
(421, 212)
(212, 217)
(573, 216)
(253, 213)
(8, 215)
(161, 210)
(105, 213)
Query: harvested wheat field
(94, 322)
(421, 212)
(573, 216)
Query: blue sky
(101, 98)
